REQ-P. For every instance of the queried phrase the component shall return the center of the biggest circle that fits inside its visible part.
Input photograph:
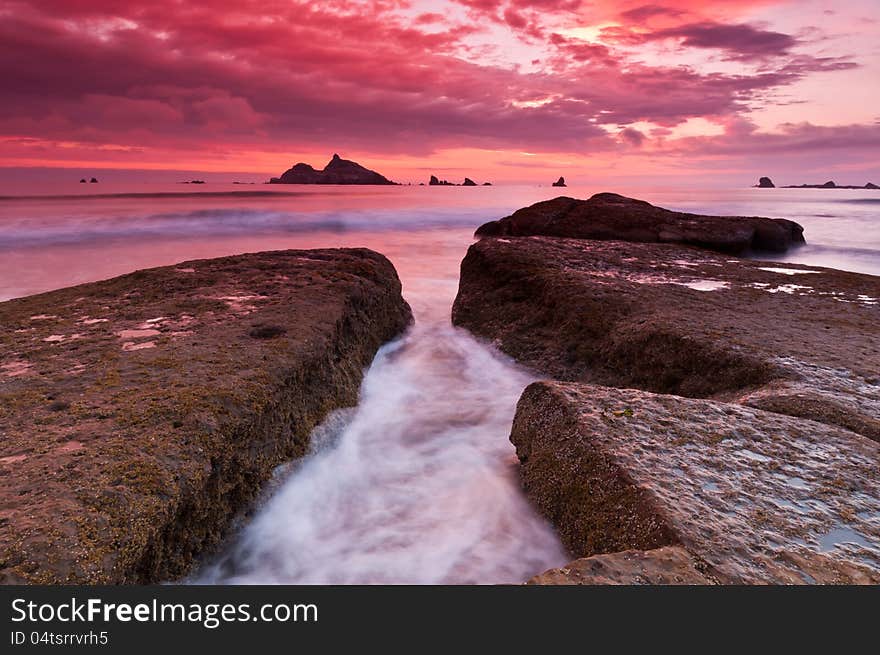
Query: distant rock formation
(337, 171)
(830, 184)
(199, 182)
(435, 181)
(82, 181)
(766, 183)
(94, 180)
(559, 182)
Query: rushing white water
(417, 485)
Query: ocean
(418, 483)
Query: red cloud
(738, 41)
(364, 76)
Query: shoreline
(165, 397)
(678, 278)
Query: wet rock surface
(702, 491)
(666, 565)
(787, 338)
(716, 421)
(609, 216)
(138, 415)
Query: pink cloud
(738, 41)
(632, 136)
(373, 77)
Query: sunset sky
(505, 90)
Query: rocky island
(337, 171)
(710, 419)
(830, 184)
(140, 414)
(767, 183)
(435, 181)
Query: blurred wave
(225, 222)
(418, 484)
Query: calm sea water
(417, 484)
(82, 233)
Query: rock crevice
(714, 419)
(145, 454)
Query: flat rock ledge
(609, 216)
(791, 339)
(713, 419)
(140, 414)
(660, 489)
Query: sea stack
(766, 183)
(94, 180)
(468, 182)
(337, 171)
(82, 181)
(559, 182)
(830, 184)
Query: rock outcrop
(695, 491)
(94, 180)
(766, 183)
(435, 181)
(82, 181)
(609, 216)
(140, 414)
(831, 185)
(559, 182)
(337, 171)
(787, 338)
(718, 419)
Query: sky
(519, 91)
